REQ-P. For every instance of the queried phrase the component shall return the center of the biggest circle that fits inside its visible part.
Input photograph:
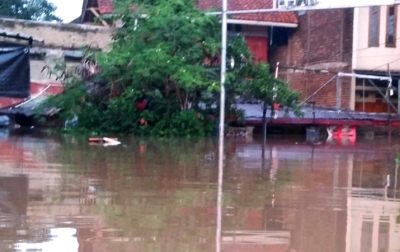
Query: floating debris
(105, 141)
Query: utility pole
(221, 124)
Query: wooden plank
(96, 13)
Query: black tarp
(14, 72)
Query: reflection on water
(60, 194)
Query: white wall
(374, 58)
(360, 208)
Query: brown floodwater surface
(58, 193)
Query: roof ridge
(107, 7)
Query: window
(391, 26)
(374, 17)
(235, 28)
(383, 237)
(366, 236)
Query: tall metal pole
(338, 93)
(363, 95)
(221, 124)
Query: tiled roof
(106, 6)
(278, 17)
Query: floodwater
(58, 193)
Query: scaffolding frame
(370, 79)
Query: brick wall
(323, 41)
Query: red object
(258, 47)
(36, 88)
(340, 132)
(105, 6)
(141, 105)
(143, 122)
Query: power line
(384, 64)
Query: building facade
(310, 47)
(376, 51)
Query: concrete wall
(58, 40)
(56, 35)
(377, 58)
(323, 41)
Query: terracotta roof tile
(106, 6)
(278, 17)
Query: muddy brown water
(58, 193)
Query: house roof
(276, 17)
(106, 7)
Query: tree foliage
(263, 86)
(38, 10)
(162, 74)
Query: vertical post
(390, 128)
(363, 99)
(313, 112)
(274, 3)
(398, 96)
(221, 125)
(338, 93)
(264, 119)
(263, 158)
(396, 175)
(277, 70)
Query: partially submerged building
(55, 50)
(312, 47)
(308, 49)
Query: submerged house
(261, 31)
(37, 47)
(308, 45)
(332, 57)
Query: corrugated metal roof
(253, 111)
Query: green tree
(263, 86)
(38, 10)
(167, 54)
